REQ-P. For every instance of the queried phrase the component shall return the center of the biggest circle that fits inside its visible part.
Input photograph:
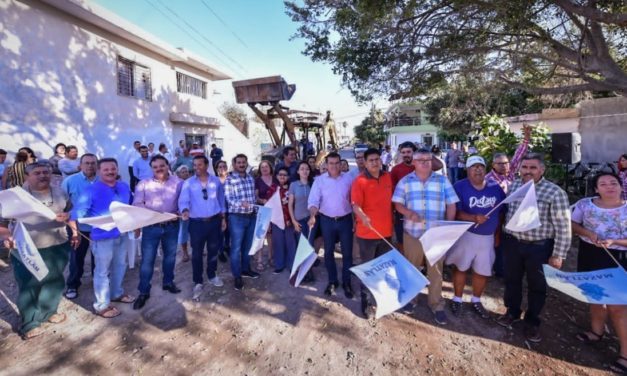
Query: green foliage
(495, 136)
(371, 130)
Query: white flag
(129, 218)
(392, 280)
(303, 261)
(520, 193)
(103, 222)
(262, 224)
(28, 253)
(437, 240)
(527, 216)
(274, 203)
(18, 204)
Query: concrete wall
(603, 128)
(59, 84)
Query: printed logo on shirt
(483, 202)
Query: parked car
(360, 148)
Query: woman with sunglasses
(601, 222)
(265, 185)
(283, 240)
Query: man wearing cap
(38, 301)
(423, 198)
(475, 249)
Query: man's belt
(530, 242)
(337, 218)
(166, 223)
(206, 219)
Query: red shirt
(283, 195)
(374, 197)
(400, 171)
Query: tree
(371, 129)
(403, 47)
(496, 136)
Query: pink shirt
(159, 196)
(506, 180)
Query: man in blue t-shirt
(476, 247)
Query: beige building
(77, 73)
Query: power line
(224, 23)
(202, 36)
(186, 32)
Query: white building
(76, 73)
(409, 122)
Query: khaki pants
(415, 254)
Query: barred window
(134, 79)
(190, 85)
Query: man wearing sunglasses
(202, 202)
(159, 193)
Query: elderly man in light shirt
(159, 193)
(330, 197)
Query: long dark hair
(311, 173)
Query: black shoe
(317, 262)
(330, 290)
(507, 320)
(222, 257)
(250, 274)
(238, 284)
(348, 290)
(456, 308)
(364, 308)
(309, 277)
(278, 271)
(532, 333)
(140, 302)
(172, 288)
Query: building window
(190, 85)
(134, 79)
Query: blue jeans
(183, 237)
(453, 174)
(226, 238)
(110, 255)
(398, 227)
(167, 235)
(283, 246)
(201, 233)
(241, 229)
(525, 259)
(332, 230)
(77, 263)
(305, 230)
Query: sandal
(589, 337)
(124, 299)
(33, 333)
(108, 312)
(619, 367)
(57, 318)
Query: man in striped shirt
(503, 170)
(239, 192)
(527, 251)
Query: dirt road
(271, 328)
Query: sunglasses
(205, 195)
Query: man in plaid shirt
(239, 192)
(525, 252)
(424, 197)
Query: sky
(246, 39)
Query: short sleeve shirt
(428, 199)
(300, 191)
(473, 201)
(50, 233)
(606, 223)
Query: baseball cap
(474, 160)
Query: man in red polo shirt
(371, 197)
(406, 149)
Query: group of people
(360, 209)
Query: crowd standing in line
(215, 211)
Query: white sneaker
(197, 291)
(216, 281)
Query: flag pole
(613, 258)
(382, 237)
